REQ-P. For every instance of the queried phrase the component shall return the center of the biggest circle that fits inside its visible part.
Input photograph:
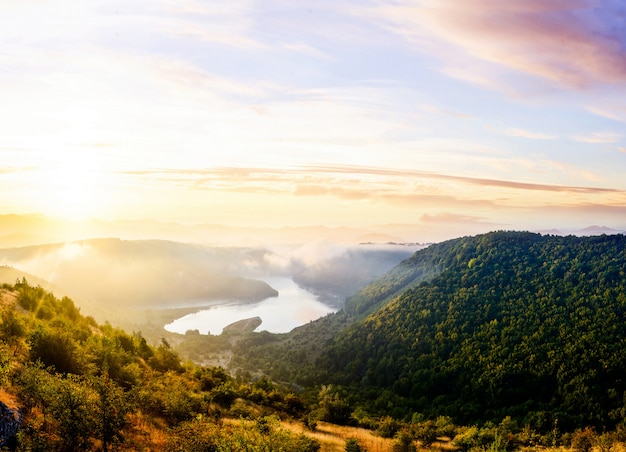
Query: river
(293, 307)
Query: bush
(473, 438)
(404, 442)
(56, 348)
(352, 445)
(388, 427)
(445, 427)
(240, 409)
(583, 440)
(425, 433)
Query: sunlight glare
(71, 189)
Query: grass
(333, 437)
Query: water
(293, 307)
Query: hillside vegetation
(497, 342)
(510, 324)
(83, 386)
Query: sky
(473, 115)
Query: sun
(72, 190)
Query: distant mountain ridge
(114, 273)
(33, 229)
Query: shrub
(583, 440)
(425, 433)
(388, 427)
(352, 445)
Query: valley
(464, 341)
(337, 226)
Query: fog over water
(293, 307)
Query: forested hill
(513, 324)
(423, 265)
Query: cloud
(530, 135)
(447, 217)
(220, 36)
(339, 192)
(306, 49)
(572, 44)
(444, 111)
(599, 138)
(609, 109)
(8, 170)
(475, 76)
(347, 182)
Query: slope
(70, 384)
(514, 324)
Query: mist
(108, 277)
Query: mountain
(9, 275)
(509, 324)
(35, 229)
(141, 273)
(597, 230)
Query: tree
(165, 358)
(111, 409)
(352, 445)
(332, 407)
(55, 347)
(72, 408)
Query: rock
(10, 422)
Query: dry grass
(142, 435)
(333, 437)
(9, 400)
(7, 298)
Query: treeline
(84, 386)
(515, 324)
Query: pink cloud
(565, 42)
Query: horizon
(454, 118)
(19, 230)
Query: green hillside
(73, 385)
(509, 324)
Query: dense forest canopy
(510, 324)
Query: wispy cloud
(325, 180)
(223, 35)
(448, 217)
(599, 138)
(573, 44)
(515, 132)
(307, 50)
(610, 109)
(16, 169)
(428, 108)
